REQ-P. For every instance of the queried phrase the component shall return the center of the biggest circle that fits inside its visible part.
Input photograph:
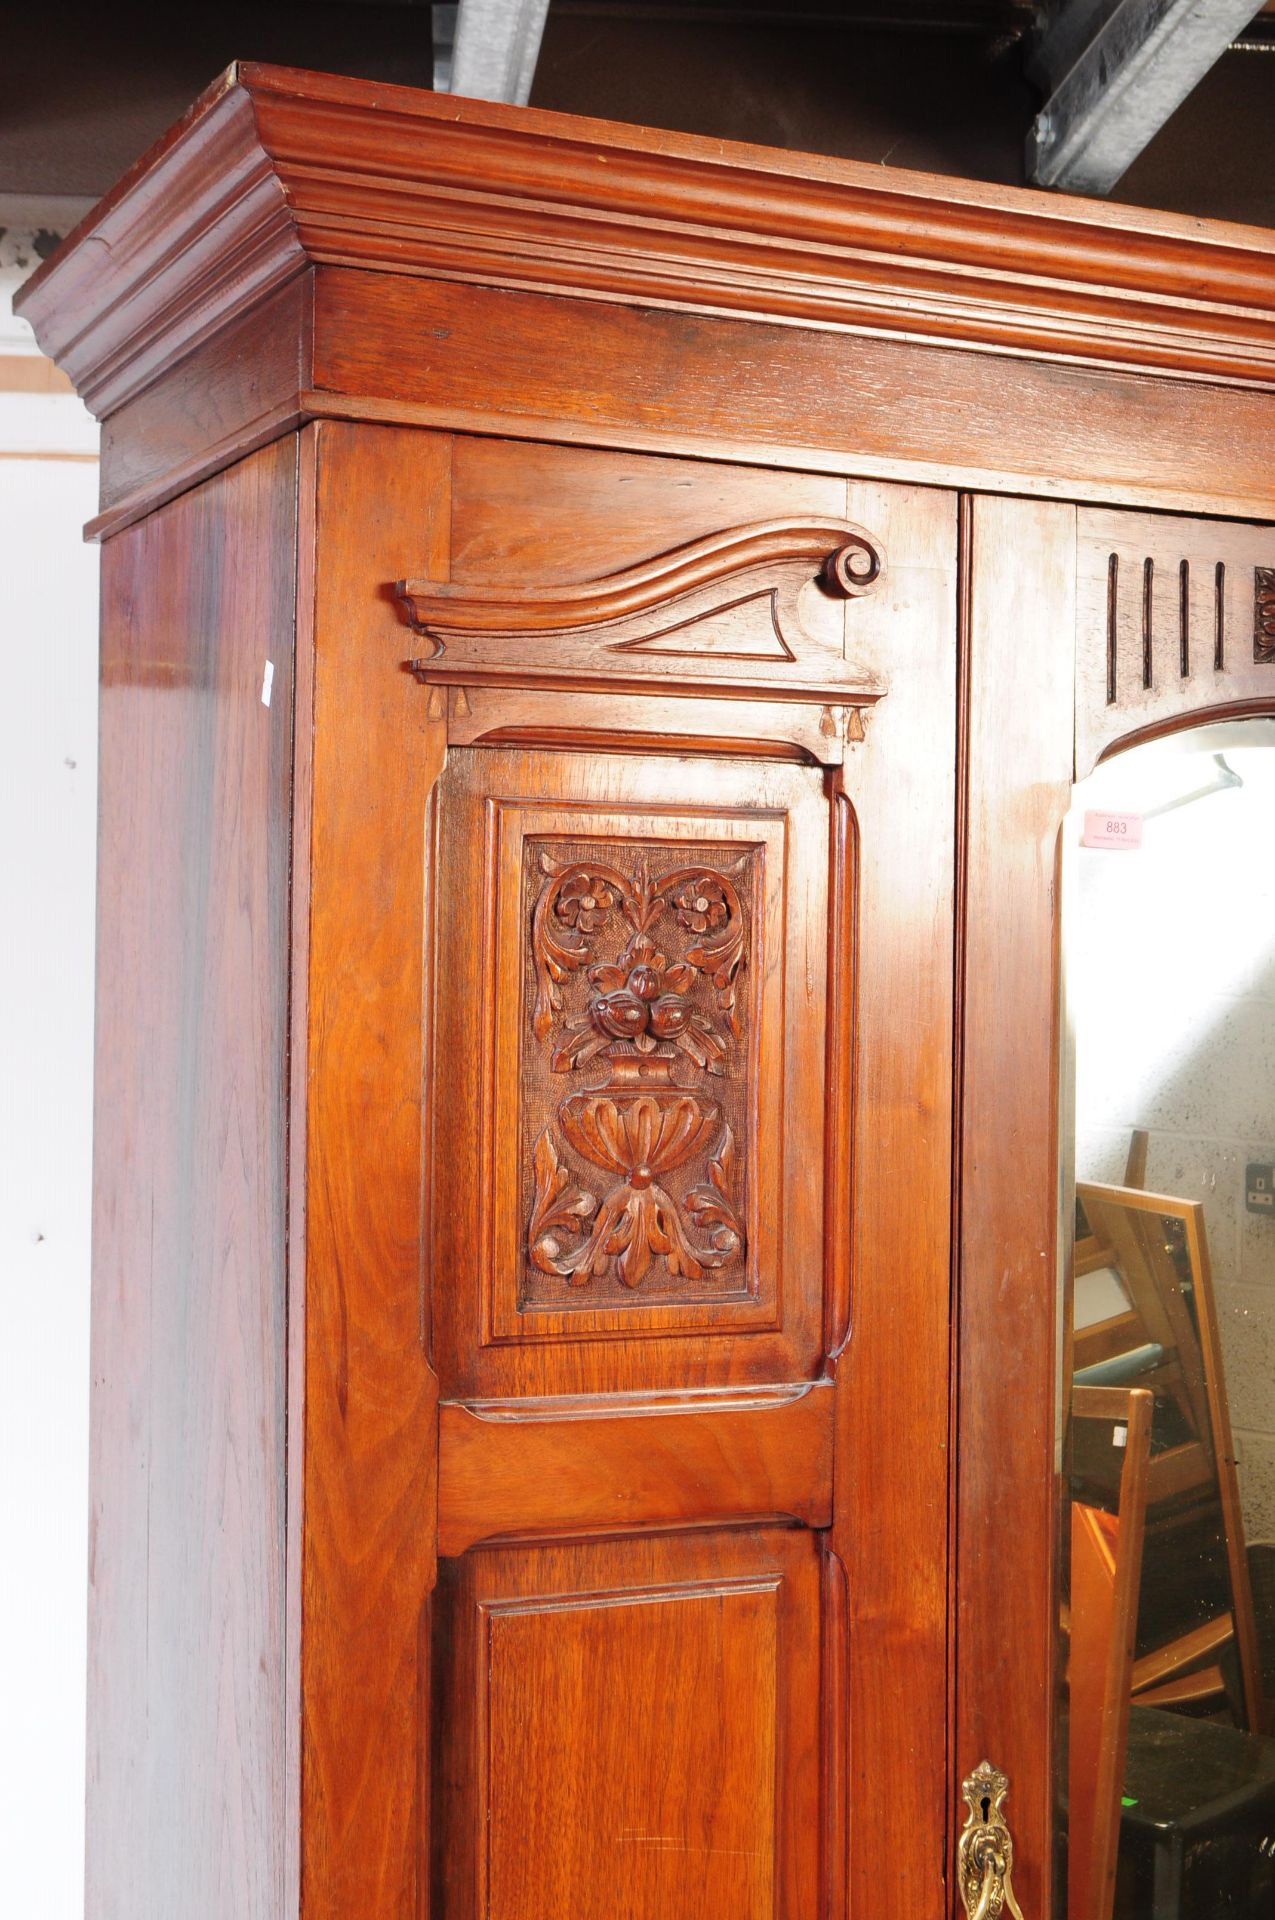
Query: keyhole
(986, 1804)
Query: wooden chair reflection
(1165, 1338)
(1106, 1570)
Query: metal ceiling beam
(1118, 69)
(494, 46)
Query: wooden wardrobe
(598, 630)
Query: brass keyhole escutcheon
(985, 1854)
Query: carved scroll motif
(635, 962)
(746, 612)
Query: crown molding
(273, 171)
(196, 233)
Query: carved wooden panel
(631, 999)
(1175, 616)
(755, 613)
(635, 1098)
(641, 951)
(687, 1047)
(687, 1670)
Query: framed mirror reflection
(1167, 1608)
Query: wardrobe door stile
(370, 1395)
(1020, 651)
(890, 1533)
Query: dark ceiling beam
(1117, 70)
(494, 46)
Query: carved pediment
(756, 610)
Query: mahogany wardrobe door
(629, 1098)
(1121, 674)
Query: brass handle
(985, 1856)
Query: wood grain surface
(750, 391)
(889, 1223)
(1020, 680)
(495, 361)
(217, 403)
(632, 1726)
(516, 1468)
(370, 1394)
(186, 1806)
(604, 1423)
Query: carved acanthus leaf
(710, 1207)
(558, 1207)
(1264, 615)
(637, 1137)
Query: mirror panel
(1167, 1613)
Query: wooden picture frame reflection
(1167, 1339)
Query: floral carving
(577, 901)
(642, 1001)
(701, 905)
(652, 1018)
(583, 901)
(573, 904)
(638, 1137)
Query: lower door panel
(630, 1727)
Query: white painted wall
(48, 775)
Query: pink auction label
(1119, 830)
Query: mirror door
(1168, 1628)
(1115, 1375)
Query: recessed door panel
(633, 1730)
(631, 1006)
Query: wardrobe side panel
(186, 1605)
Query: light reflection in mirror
(1167, 1613)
